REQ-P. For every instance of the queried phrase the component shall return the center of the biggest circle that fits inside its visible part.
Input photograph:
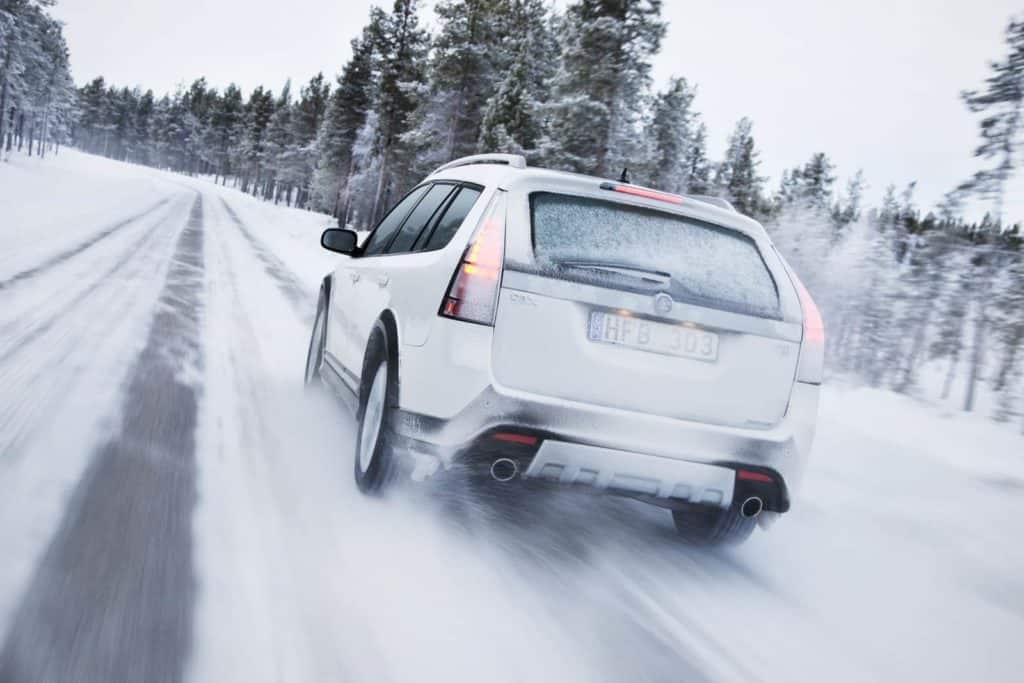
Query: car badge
(662, 303)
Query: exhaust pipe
(752, 507)
(504, 469)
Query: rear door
(630, 307)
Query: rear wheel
(375, 457)
(709, 525)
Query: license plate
(646, 335)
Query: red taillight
(812, 350)
(511, 437)
(642, 192)
(473, 293)
(753, 476)
(814, 326)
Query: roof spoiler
(714, 201)
(513, 160)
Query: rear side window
(378, 241)
(420, 217)
(449, 224)
(639, 249)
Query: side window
(420, 218)
(386, 229)
(457, 211)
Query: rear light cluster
(472, 295)
(812, 351)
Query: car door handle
(382, 280)
(353, 276)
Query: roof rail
(714, 201)
(513, 160)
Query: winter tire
(375, 458)
(710, 526)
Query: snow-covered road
(174, 507)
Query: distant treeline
(903, 291)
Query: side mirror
(341, 241)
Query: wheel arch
(325, 285)
(386, 331)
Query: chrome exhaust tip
(504, 469)
(752, 507)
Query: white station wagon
(529, 323)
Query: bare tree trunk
(380, 185)
(977, 355)
(3, 96)
(341, 209)
(947, 386)
(46, 122)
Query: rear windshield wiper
(646, 274)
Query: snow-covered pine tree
(225, 130)
(1002, 102)
(278, 143)
(848, 209)
(671, 137)
(345, 115)
(258, 111)
(401, 47)
(815, 182)
(698, 166)
(737, 176)
(307, 115)
(602, 85)
(35, 84)
(512, 120)
(462, 77)
(143, 125)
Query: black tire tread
(711, 526)
(383, 469)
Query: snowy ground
(174, 507)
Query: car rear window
(694, 261)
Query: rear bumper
(611, 448)
(633, 473)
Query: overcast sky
(873, 83)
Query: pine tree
(602, 85)
(1002, 102)
(737, 174)
(225, 130)
(306, 118)
(816, 180)
(346, 114)
(36, 91)
(512, 120)
(258, 111)
(848, 210)
(672, 136)
(401, 46)
(462, 77)
(278, 144)
(698, 167)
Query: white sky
(873, 83)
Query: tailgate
(574, 342)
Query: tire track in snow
(112, 597)
(72, 335)
(301, 300)
(79, 248)
(19, 334)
